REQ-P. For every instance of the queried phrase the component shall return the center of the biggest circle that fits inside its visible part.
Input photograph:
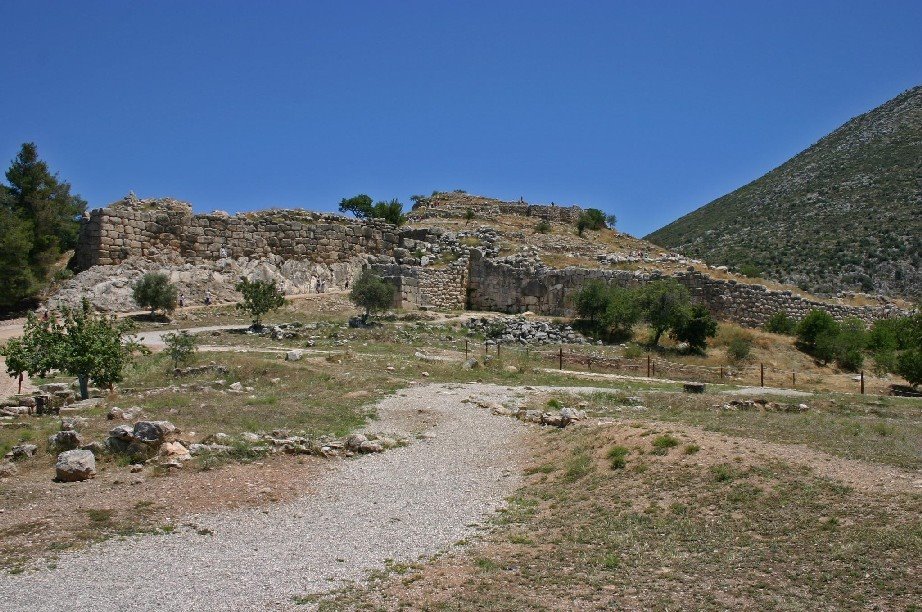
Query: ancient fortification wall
(517, 287)
(148, 228)
(430, 266)
(455, 205)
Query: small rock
(8, 469)
(294, 355)
(137, 467)
(75, 465)
(236, 387)
(175, 451)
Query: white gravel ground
(401, 505)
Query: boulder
(65, 440)
(155, 432)
(295, 355)
(370, 446)
(355, 441)
(21, 451)
(470, 364)
(74, 423)
(75, 465)
(175, 451)
(204, 449)
(568, 415)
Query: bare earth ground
(404, 504)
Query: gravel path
(401, 505)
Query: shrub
(372, 293)
(155, 291)
(181, 347)
(468, 215)
(662, 444)
(543, 227)
(362, 208)
(633, 351)
(259, 297)
(750, 270)
(781, 323)
(617, 455)
(739, 345)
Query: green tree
(817, 323)
(694, 326)
(591, 219)
(621, 313)
(181, 347)
(591, 301)
(372, 293)
(259, 297)
(16, 275)
(42, 199)
(663, 303)
(155, 291)
(909, 366)
(850, 343)
(361, 206)
(468, 215)
(392, 212)
(90, 346)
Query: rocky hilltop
(844, 215)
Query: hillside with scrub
(843, 215)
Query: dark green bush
(781, 323)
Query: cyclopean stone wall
(517, 286)
(431, 267)
(456, 205)
(148, 228)
(442, 288)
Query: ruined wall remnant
(505, 287)
(152, 228)
(456, 205)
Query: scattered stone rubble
(520, 330)
(561, 418)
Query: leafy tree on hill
(39, 219)
(372, 293)
(663, 303)
(816, 324)
(84, 344)
(781, 323)
(591, 219)
(259, 298)
(363, 207)
(155, 291)
(694, 326)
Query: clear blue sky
(644, 109)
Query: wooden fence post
(560, 356)
(793, 378)
(761, 374)
(648, 366)
(862, 382)
(466, 355)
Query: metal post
(721, 372)
(761, 374)
(561, 357)
(862, 382)
(465, 350)
(793, 378)
(648, 366)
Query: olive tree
(93, 347)
(155, 291)
(372, 293)
(259, 297)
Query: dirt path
(404, 504)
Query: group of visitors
(183, 302)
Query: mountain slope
(846, 214)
